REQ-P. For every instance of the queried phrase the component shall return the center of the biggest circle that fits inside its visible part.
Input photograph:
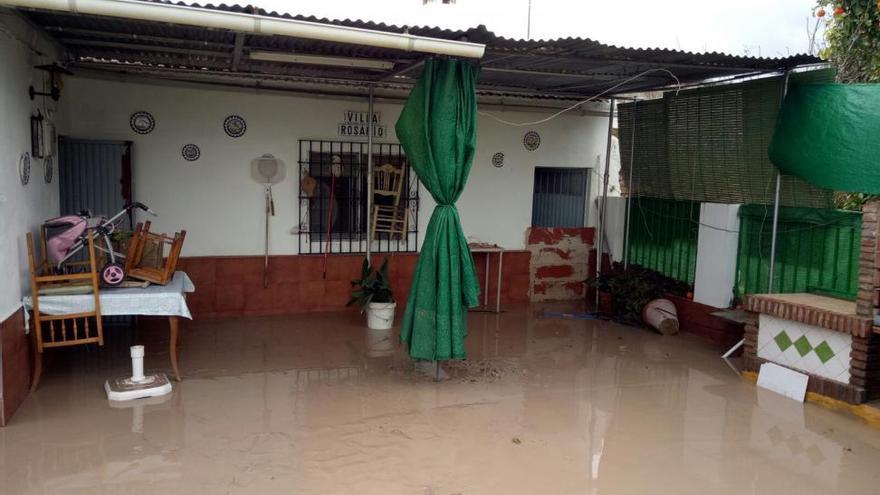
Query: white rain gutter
(255, 24)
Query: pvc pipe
(137, 364)
(733, 349)
(255, 24)
(772, 267)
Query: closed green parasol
(437, 129)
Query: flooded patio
(314, 403)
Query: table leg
(174, 323)
(486, 283)
(498, 287)
(37, 370)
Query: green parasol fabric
(437, 129)
(827, 134)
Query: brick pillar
(865, 356)
(869, 277)
(865, 365)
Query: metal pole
(266, 239)
(630, 188)
(529, 22)
(776, 206)
(600, 220)
(369, 173)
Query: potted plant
(372, 292)
(631, 289)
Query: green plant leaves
(373, 286)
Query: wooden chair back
(68, 329)
(388, 181)
(140, 239)
(390, 219)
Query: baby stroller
(65, 244)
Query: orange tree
(852, 36)
(852, 46)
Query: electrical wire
(594, 97)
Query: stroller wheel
(113, 274)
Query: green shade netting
(829, 135)
(437, 129)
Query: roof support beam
(573, 75)
(236, 51)
(647, 63)
(143, 38)
(402, 71)
(139, 46)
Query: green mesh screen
(662, 236)
(710, 145)
(817, 250)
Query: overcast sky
(767, 27)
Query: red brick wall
(697, 319)
(233, 285)
(559, 262)
(16, 365)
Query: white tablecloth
(155, 300)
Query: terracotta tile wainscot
(233, 285)
(821, 336)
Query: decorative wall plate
(531, 140)
(498, 160)
(24, 168)
(234, 126)
(190, 152)
(142, 122)
(48, 166)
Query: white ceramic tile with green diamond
(804, 347)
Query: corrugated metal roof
(569, 68)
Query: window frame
(315, 160)
(558, 184)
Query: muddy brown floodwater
(315, 404)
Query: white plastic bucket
(661, 314)
(380, 316)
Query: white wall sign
(357, 124)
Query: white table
(488, 250)
(155, 300)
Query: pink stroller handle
(58, 246)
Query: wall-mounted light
(55, 83)
(37, 142)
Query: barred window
(333, 198)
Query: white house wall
(22, 208)
(215, 200)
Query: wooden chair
(68, 329)
(391, 219)
(142, 237)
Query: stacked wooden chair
(67, 329)
(141, 239)
(391, 219)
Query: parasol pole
(776, 205)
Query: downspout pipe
(255, 24)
